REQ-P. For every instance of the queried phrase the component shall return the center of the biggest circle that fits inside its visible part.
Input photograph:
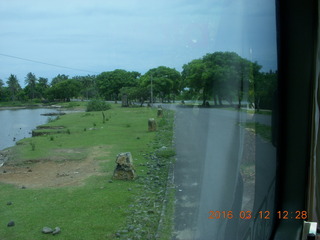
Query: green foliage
(64, 90)
(223, 75)
(166, 82)
(59, 78)
(98, 105)
(72, 105)
(110, 83)
(88, 87)
(166, 153)
(31, 81)
(218, 76)
(13, 86)
(263, 89)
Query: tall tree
(88, 85)
(42, 86)
(14, 86)
(59, 78)
(1, 89)
(166, 82)
(194, 77)
(31, 82)
(64, 90)
(110, 83)
(223, 75)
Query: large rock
(47, 230)
(4, 156)
(160, 112)
(124, 169)
(125, 101)
(152, 125)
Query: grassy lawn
(100, 208)
(262, 130)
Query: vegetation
(97, 105)
(262, 130)
(219, 77)
(101, 208)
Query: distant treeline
(219, 77)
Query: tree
(31, 82)
(166, 82)
(59, 78)
(223, 75)
(138, 93)
(194, 78)
(64, 90)
(264, 86)
(3, 91)
(88, 85)
(110, 83)
(14, 86)
(42, 86)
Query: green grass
(262, 130)
(99, 209)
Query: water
(18, 124)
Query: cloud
(101, 35)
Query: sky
(87, 37)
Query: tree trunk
(204, 97)
(215, 99)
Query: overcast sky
(92, 36)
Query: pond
(19, 123)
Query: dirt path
(54, 174)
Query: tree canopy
(110, 83)
(221, 77)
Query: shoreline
(30, 107)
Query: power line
(49, 64)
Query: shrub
(97, 105)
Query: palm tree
(13, 86)
(31, 83)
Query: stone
(152, 125)
(124, 169)
(160, 112)
(11, 224)
(125, 101)
(47, 230)
(9, 203)
(56, 231)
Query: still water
(18, 124)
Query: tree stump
(160, 112)
(152, 126)
(124, 169)
(124, 99)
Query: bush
(97, 105)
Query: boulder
(160, 112)
(56, 231)
(152, 125)
(47, 230)
(124, 169)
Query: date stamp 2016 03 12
(298, 215)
